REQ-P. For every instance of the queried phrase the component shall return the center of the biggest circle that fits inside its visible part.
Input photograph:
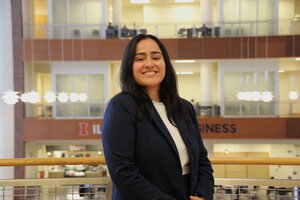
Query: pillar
(209, 145)
(206, 11)
(117, 13)
(104, 17)
(206, 83)
(6, 83)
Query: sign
(218, 128)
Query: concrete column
(209, 145)
(117, 13)
(206, 83)
(6, 83)
(104, 17)
(206, 11)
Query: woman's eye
(139, 59)
(156, 58)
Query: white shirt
(173, 130)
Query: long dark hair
(168, 89)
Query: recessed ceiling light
(184, 1)
(280, 71)
(185, 61)
(139, 1)
(184, 73)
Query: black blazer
(142, 157)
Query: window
(90, 84)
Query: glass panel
(247, 17)
(63, 110)
(251, 86)
(91, 84)
(96, 110)
(77, 12)
(231, 10)
(96, 88)
(59, 11)
(63, 83)
(80, 110)
(94, 11)
(80, 83)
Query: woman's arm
(205, 181)
(118, 136)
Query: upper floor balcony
(247, 28)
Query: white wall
(189, 86)
(7, 129)
(132, 15)
(285, 151)
(168, 16)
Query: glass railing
(65, 110)
(225, 109)
(163, 30)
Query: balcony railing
(101, 187)
(227, 109)
(163, 30)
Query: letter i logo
(83, 129)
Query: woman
(151, 138)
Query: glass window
(90, 84)
(246, 17)
(249, 93)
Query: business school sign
(213, 127)
(243, 128)
(85, 130)
(228, 128)
(89, 129)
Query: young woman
(151, 138)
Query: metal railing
(101, 187)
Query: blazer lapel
(162, 127)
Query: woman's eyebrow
(152, 52)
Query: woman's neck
(154, 94)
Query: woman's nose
(149, 63)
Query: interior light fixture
(74, 97)
(267, 96)
(24, 97)
(256, 96)
(82, 97)
(10, 97)
(185, 61)
(139, 1)
(297, 59)
(184, 73)
(63, 97)
(293, 95)
(281, 71)
(184, 1)
(33, 96)
(50, 97)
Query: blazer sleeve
(118, 136)
(205, 179)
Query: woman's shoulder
(123, 98)
(186, 103)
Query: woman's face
(149, 67)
